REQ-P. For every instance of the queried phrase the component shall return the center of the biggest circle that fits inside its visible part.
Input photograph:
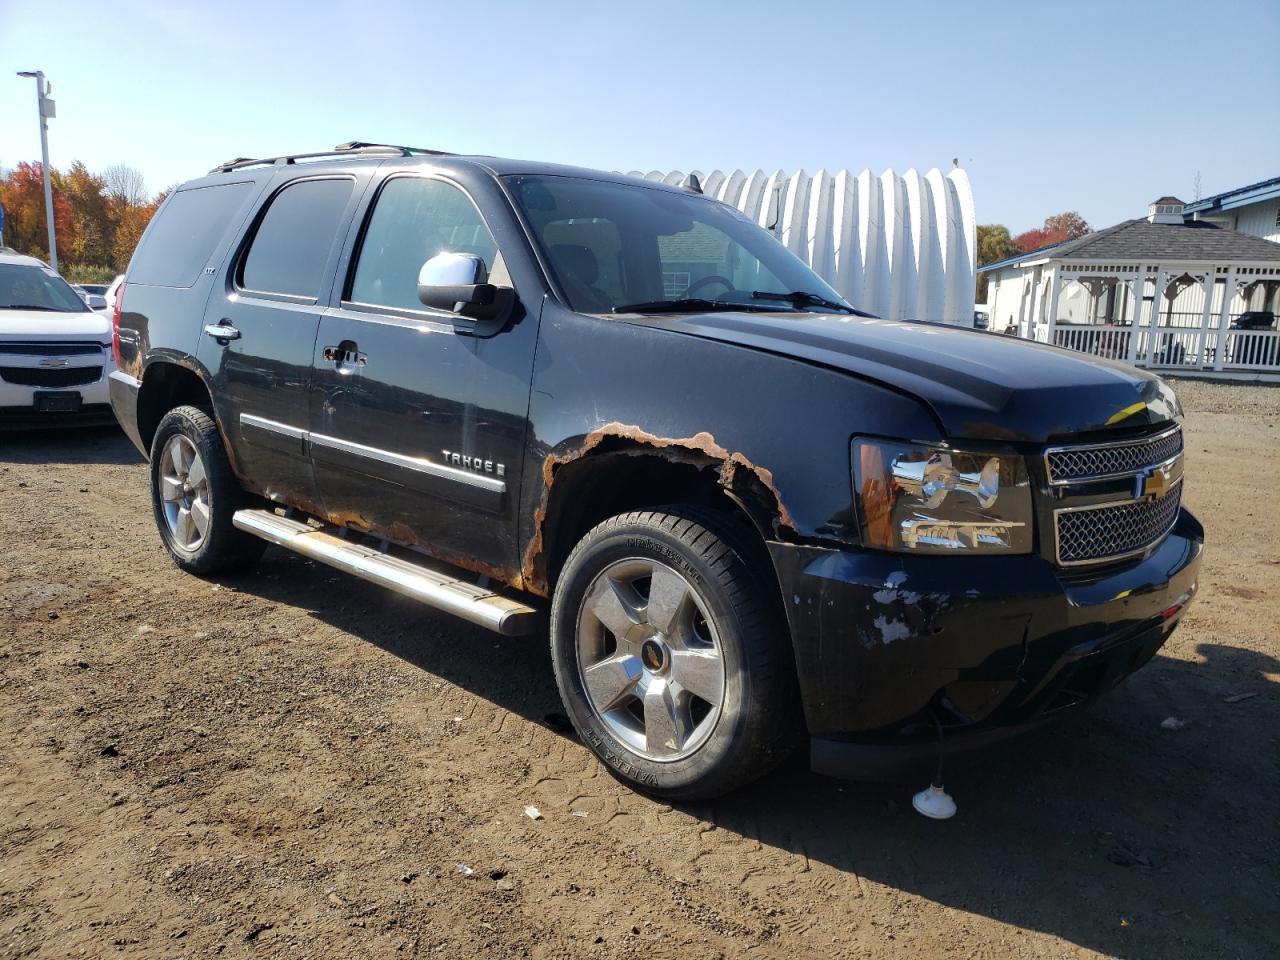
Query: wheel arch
(619, 475)
(168, 383)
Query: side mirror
(457, 282)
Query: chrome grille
(1113, 531)
(1074, 464)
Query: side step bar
(428, 584)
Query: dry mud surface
(294, 764)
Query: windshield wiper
(802, 298)
(686, 305)
(30, 306)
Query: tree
(1032, 239)
(125, 183)
(1067, 226)
(93, 226)
(99, 218)
(132, 221)
(1057, 229)
(25, 224)
(994, 244)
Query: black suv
(752, 511)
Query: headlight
(921, 499)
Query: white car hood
(42, 326)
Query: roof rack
(352, 149)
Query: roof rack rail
(352, 149)
(362, 145)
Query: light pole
(47, 111)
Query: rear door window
(185, 233)
(295, 237)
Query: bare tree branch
(125, 183)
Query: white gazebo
(1157, 292)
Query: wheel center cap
(653, 654)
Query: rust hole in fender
(735, 473)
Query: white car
(113, 291)
(55, 353)
(94, 301)
(94, 294)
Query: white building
(1165, 292)
(1253, 209)
(899, 246)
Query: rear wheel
(670, 656)
(194, 495)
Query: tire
(687, 698)
(191, 484)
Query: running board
(428, 584)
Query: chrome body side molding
(251, 424)
(492, 484)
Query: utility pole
(48, 110)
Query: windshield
(618, 245)
(28, 287)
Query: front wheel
(670, 654)
(194, 495)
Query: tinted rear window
(185, 233)
(292, 244)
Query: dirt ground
(294, 763)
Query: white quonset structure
(900, 246)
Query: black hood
(978, 385)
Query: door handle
(345, 354)
(222, 332)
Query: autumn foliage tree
(98, 218)
(22, 194)
(1057, 229)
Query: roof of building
(1239, 197)
(1143, 240)
(1167, 199)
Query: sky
(1098, 107)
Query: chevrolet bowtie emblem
(1155, 483)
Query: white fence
(1172, 348)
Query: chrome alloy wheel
(184, 492)
(650, 659)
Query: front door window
(414, 220)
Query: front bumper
(18, 406)
(885, 644)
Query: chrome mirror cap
(456, 282)
(452, 270)
(459, 283)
